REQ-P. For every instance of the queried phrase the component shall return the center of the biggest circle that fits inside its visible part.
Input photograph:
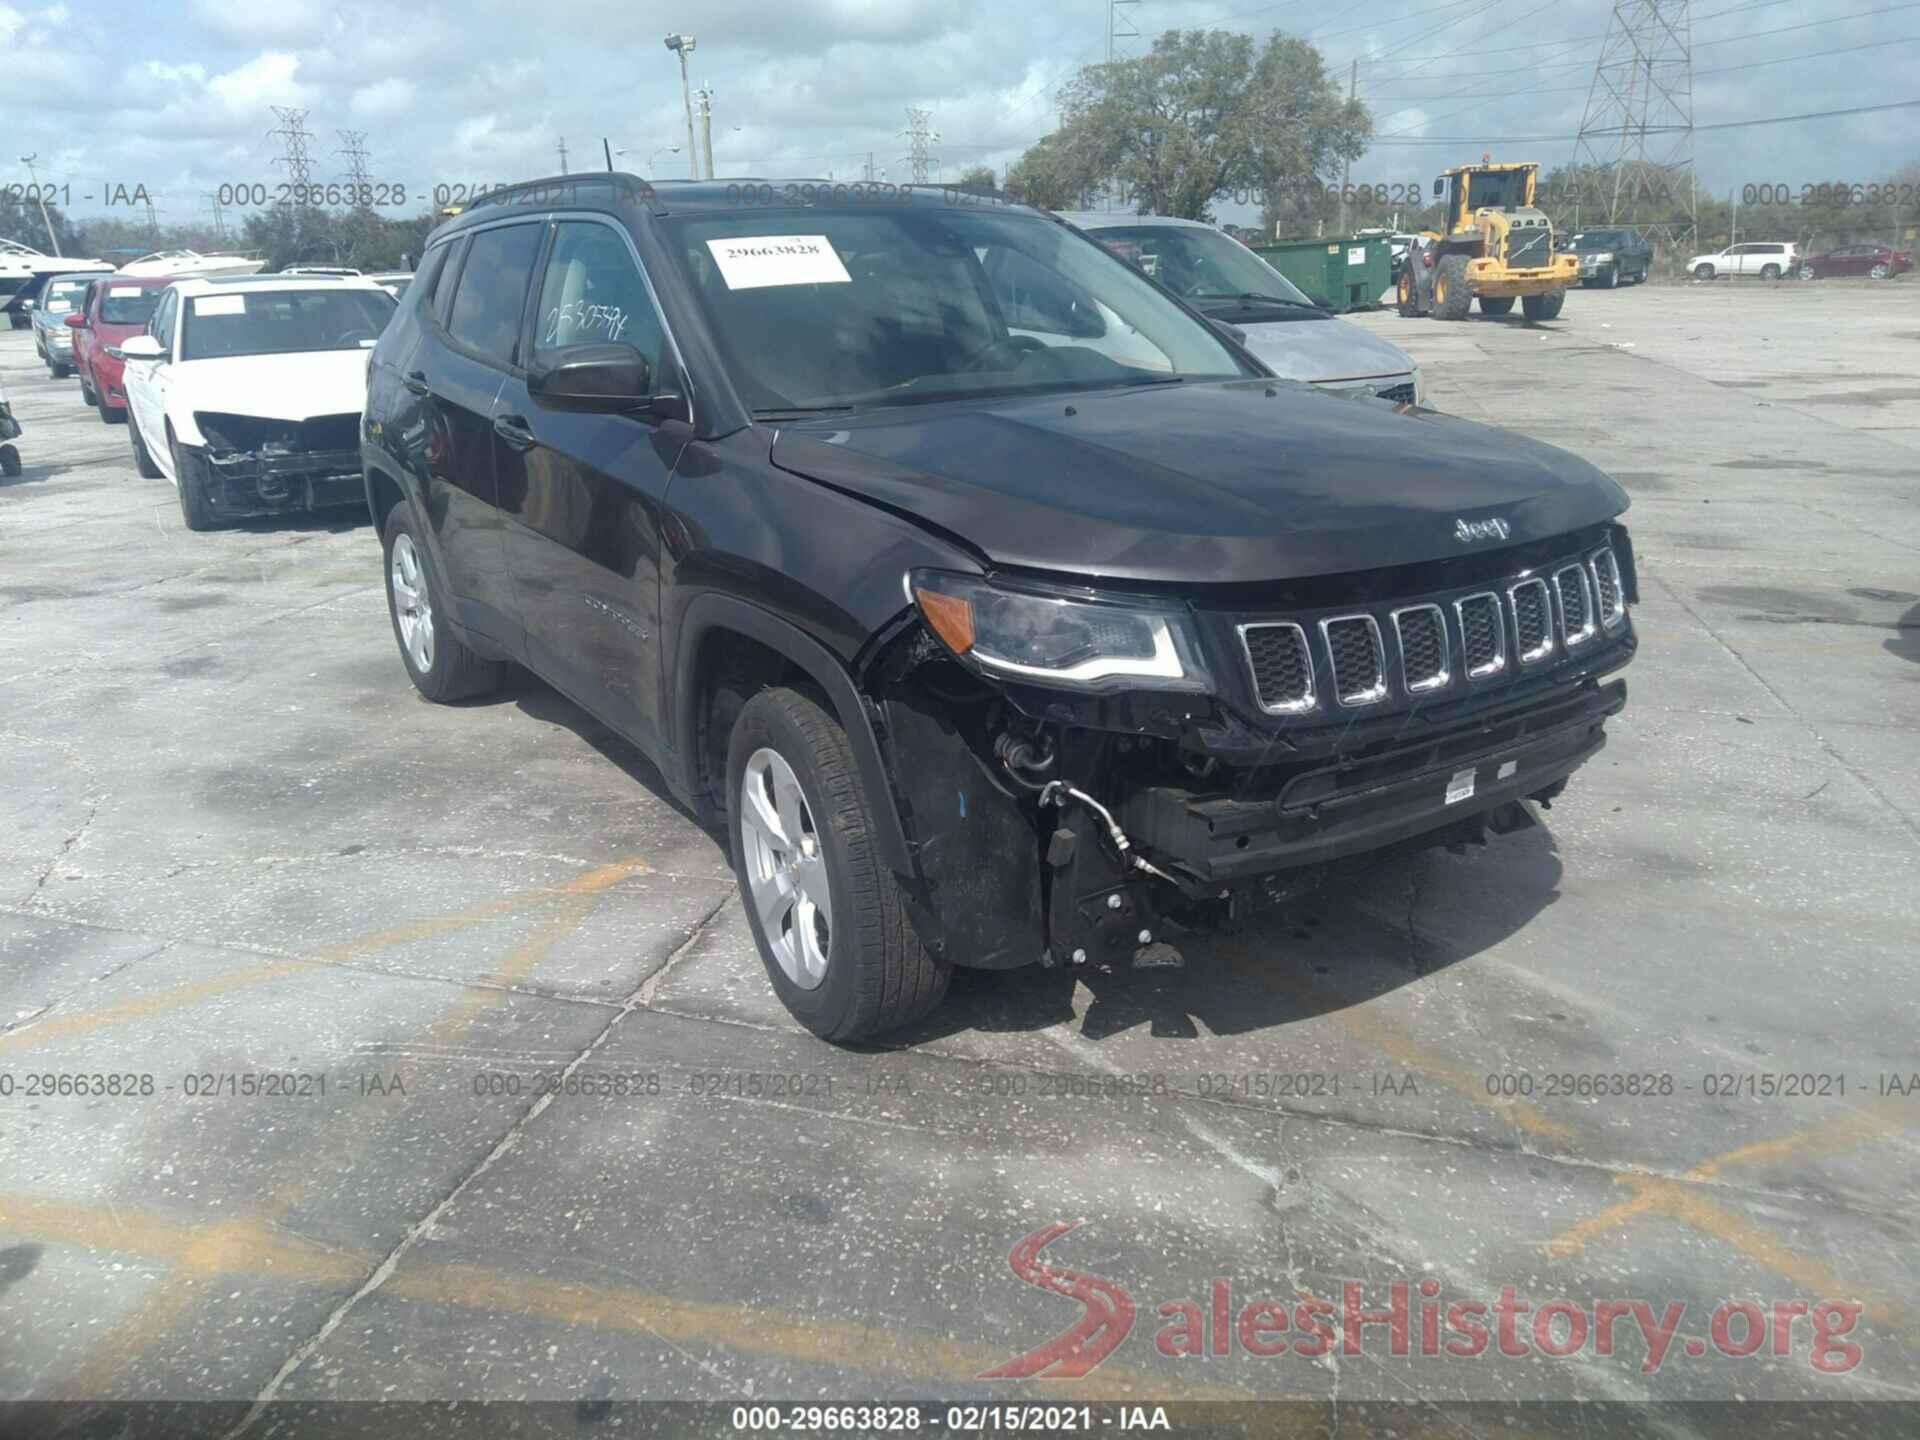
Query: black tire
(1703, 272)
(60, 372)
(194, 509)
(1407, 291)
(1612, 282)
(9, 461)
(1496, 304)
(1543, 307)
(1769, 272)
(87, 396)
(142, 461)
(1451, 296)
(456, 672)
(109, 415)
(878, 974)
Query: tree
(1203, 116)
(20, 220)
(979, 179)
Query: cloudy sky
(176, 94)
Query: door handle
(416, 381)
(513, 429)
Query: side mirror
(1440, 186)
(141, 347)
(77, 320)
(594, 377)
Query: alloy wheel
(786, 869)
(412, 605)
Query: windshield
(276, 322)
(65, 294)
(823, 308)
(1200, 265)
(1496, 189)
(129, 304)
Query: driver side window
(161, 327)
(593, 294)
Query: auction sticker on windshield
(219, 305)
(749, 262)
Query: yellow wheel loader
(1496, 248)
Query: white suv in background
(1770, 260)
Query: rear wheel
(142, 461)
(826, 912)
(1543, 307)
(1406, 291)
(1451, 295)
(1807, 272)
(1703, 272)
(1496, 304)
(440, 664)
(1769, 272)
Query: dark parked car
(990, 644)
(1611, 257)
(1881, 262)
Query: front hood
(1322, 350)
(276, 387)
(1201, 482)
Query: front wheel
(1496, 304)
(194, 509)
(1543, 307)
(87, 397)
(826, 913)
(1451, 293)
(142, 461)
(441, 665)
(1405, 292)
(1880, 271)
(1612, 282)
(1807, 272)
(1703, 272)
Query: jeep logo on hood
(1468, 531)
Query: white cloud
(383, 99)
(267, 79)
(254, 21)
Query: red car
(1882, 262)
(116, 307)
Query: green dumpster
(1350, 273)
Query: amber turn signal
(950, 617)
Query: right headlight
(1053, 636)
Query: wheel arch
(722, 636)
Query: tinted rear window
(493, 290)
(129, 304)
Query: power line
(1723, 125)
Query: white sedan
(246, 393)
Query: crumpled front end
(255, 466)
(1408, 707)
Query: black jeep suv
(1004, 610)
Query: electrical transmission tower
(353, 149)
(212, 197)
(1633, 157)
(920, 137)
(1119, 27)
(293, 138)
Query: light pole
(663, 150)
(681, 44)
(41, 196)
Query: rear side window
(493, 290)
(593, 294)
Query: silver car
(52, 339)
(1226, 281)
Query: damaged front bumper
(253, 466)
(1066, 830)
(268, 484)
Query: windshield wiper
(1254, 297)
(795, 412)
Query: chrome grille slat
(1532, 620)
(1577, 625)
(1282, 666)
(1358, 658)
(1483, 634)
(1607, 586)
(1422, 633)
